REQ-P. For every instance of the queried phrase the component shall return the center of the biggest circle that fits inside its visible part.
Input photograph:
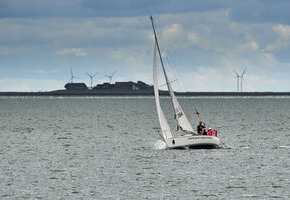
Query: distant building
(133, 86)
(143, 86)
(125, 86)
(105, 86)
(76, 86)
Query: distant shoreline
(137, 93)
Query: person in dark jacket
(200, 127)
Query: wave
(159, 144)
(285, 147)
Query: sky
(202, 42)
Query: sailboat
(187, 137)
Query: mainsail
(165, 128)
(182, 121)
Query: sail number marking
(178, 115)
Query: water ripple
(108, 148)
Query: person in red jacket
(215, 132)
(209, 131)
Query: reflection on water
(108, 148)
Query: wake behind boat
(187, 137)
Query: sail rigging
(182, 121)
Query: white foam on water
(285, 147)
(250, 195)
(159, 144)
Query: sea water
(108, 148)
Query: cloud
(248, 46)
(206, 79)
(43, 71)
(28, 85)
(268, 59)
(201, 35)
(211, 79)
(283, 30)
(91, 8)
(134, 57)
(172, 31)
(72, 51)
(258, 11)
(193, 38)
(37, 71)
(4, 51)
(40, 8)
(60, 33)
(201, 40)
(254, 82)
(283, 40)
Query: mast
(156, 41)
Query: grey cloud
(76, 32)
(283, 56)
(40, 8)
(261, 11)
(245, 10)
(105, 8)
(135, 8)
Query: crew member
(210, 132)
(200, 127)
(215, 132)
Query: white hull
(191, 141)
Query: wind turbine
(110, 76)
(72, 76)
(242, 76)
(238, 78)
(91, 77)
